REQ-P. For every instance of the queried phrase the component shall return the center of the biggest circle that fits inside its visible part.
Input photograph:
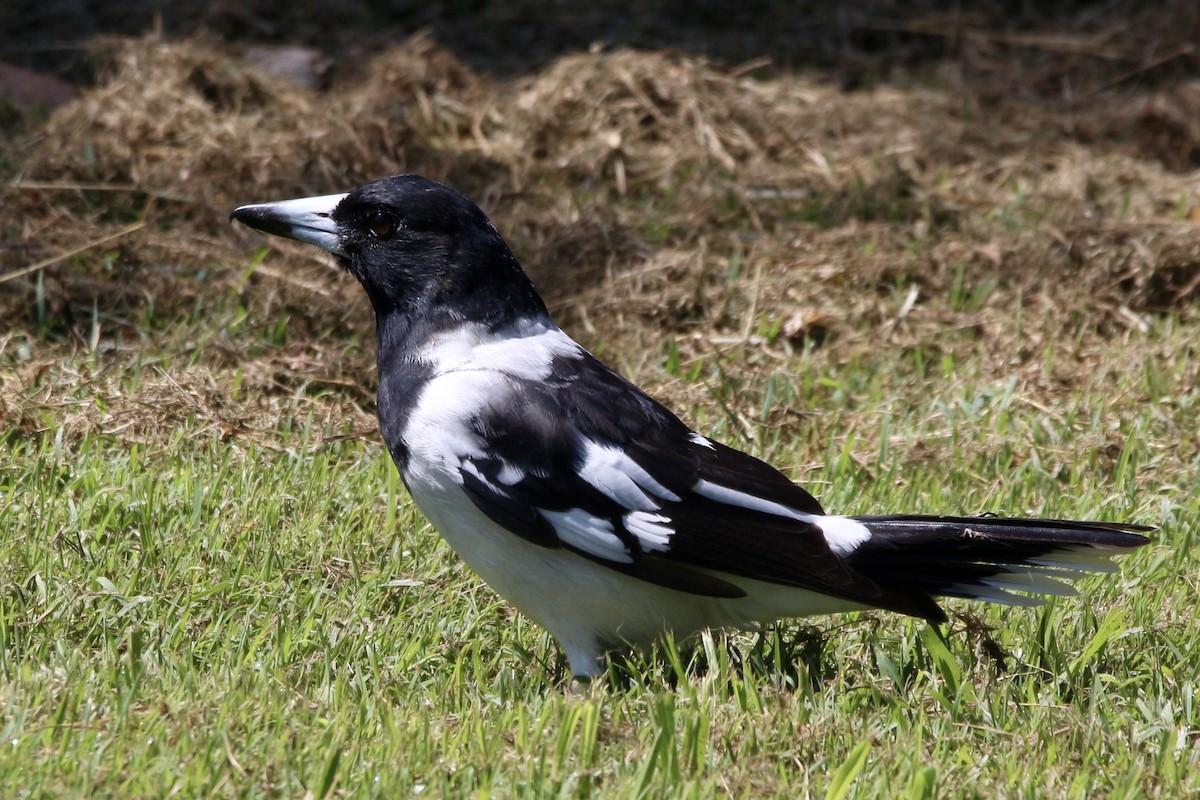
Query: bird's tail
(995, 559)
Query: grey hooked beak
(306, 219)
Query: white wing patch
(595, 536)
(697, 439)
(844, 535)
(621, 478)
(733, 497)
(508, 476)
(469, 467)
(652, 530)
(589, 533)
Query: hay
(630, 183)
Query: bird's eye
(381, 224)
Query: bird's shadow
(788, 657)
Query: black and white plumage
(586, 503)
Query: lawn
(213, 583)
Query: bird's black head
(418, 247)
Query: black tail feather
(988, 558)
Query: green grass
(199, 615)
(213, 584)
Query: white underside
(588, 607)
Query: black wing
(589, 462)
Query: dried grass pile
(629, 182)
(188, 123)
(643, 118)
(653, 195)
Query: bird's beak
(307, 219)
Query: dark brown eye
(381, 224)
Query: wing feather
(592, 464)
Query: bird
(587, 504)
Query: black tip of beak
(262, 219)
